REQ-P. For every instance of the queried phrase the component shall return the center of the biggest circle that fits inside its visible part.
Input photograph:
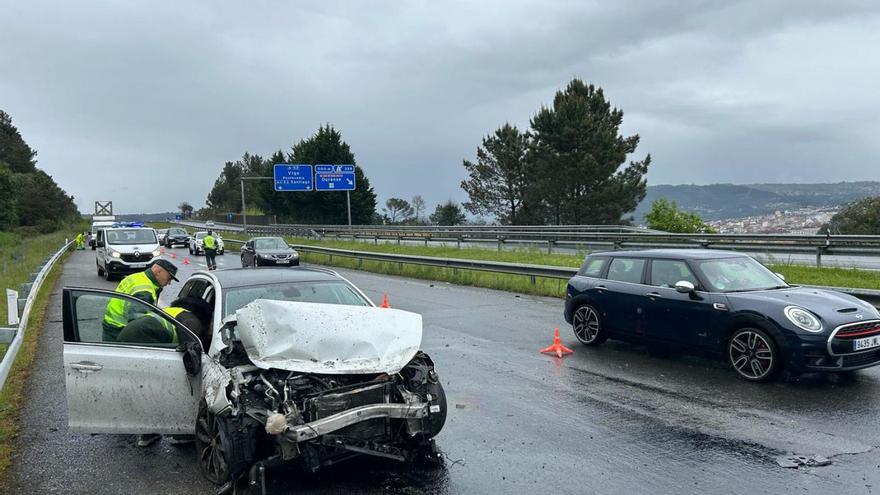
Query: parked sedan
(268, 251)
(723, 302)
(276, 373)
(161, 234)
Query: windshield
(738, 274)
(271, 243)
(176, 232)
(131, 236)
(315, 292)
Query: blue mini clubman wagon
(723, 302)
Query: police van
(124, 250)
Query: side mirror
(684, 287)
(99, 243)
(781, 276)
(227, 332)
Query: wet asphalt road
(616, 419)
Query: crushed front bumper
(338, 421)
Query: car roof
(245, 277)
(672, 253)
(266, 237)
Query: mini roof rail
(320, 269)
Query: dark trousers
(209, 258)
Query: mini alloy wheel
(752, 354)
(587, 325)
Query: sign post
(336, 178)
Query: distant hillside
(718, 201)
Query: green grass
(11, 395)
(20, 256)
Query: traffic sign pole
(348, 202)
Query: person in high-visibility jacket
(146, 286)
(210, 245)
(153, 329)
(80, 241)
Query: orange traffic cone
(186, 261)
(557, 347)
(385, 302)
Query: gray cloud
(125, 97)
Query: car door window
(593, 267)
(106, 318)
(666, 273)
(626, 270)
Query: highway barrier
(531, 271)
(593, 237)
(15, 335)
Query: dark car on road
(268, 251)
(175, 236)
(722, 302)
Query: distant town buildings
(800, 221)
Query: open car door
(126, 386)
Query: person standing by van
(210, 245)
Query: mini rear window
(626, 270)
(593, 267)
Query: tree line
(569, 167)
(29, 197)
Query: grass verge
(11, 395)
(19, 257)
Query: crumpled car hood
(328, 338)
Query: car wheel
(587, 325)
(100, 271)
(243, 264)
(211, 447)
(753, 354)
(108, 275)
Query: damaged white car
(287, 366)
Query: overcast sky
(142, 102)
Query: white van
(124, 250)
(96, 226)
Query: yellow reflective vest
(118, 309)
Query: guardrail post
(25, 289)
(458, 242)
(819, 252)
(398, 240)
(500, 242)
(376, 240)
(360, 262)
(549, 247)
(427, 238)
(617, 245)
(12, 310)
(532, 279)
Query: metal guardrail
(532, 271)
(33, 290)
(587, 237)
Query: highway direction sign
(293, 177)
(334, 178)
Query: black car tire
(108, 275)
(586, 322)
(753, 354)
(100, 270)
(243, 264)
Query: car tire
(586, 323)
(100, 270)
(108, 275)
(243, 264)
(753, 354)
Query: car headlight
(156, 253)
(115, 254)
(803, 319)
(266, 256)
(295, 254)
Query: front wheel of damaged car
(753, 355)
(211, 448)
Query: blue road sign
(177, 217)
(293, 177)
(334, 178)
